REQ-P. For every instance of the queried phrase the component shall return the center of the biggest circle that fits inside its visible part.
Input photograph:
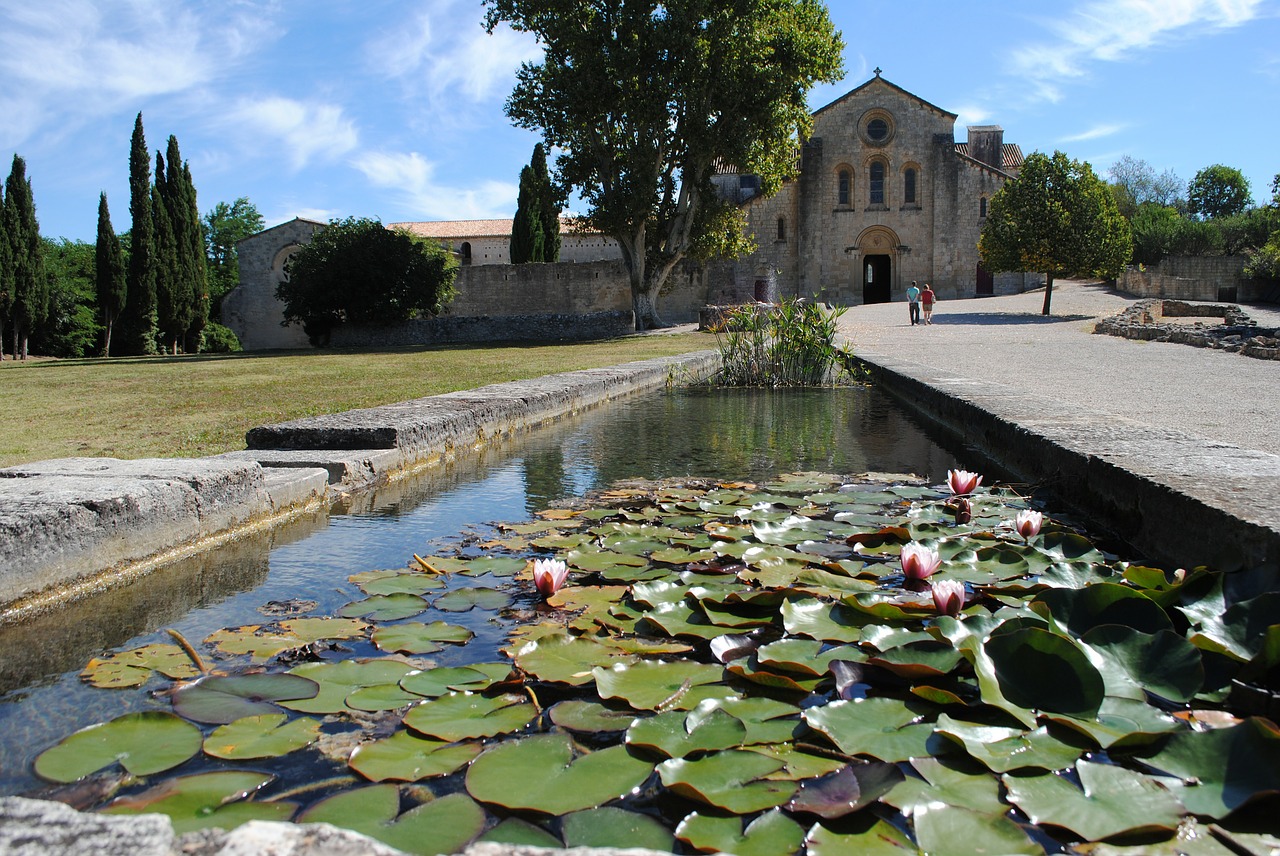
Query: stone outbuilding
(488, 242)
(251, 309)
(885, 195)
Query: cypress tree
(109, 273)
(526, 228)
(197, 262)
(548, 208)
(139, 316)
(30, 286)
(168, 288)
(6, 276)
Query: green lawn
(195, 406)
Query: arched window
(982, 207)
(782, 228)
(909, 187)
(877, 183)
(465, 252)
(845, 181)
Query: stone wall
(1210, 278)
(494, 302)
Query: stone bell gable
(885, 195)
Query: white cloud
(442, 56)
(1094, 133)
(307, 131)
(1111, 30)
(972, 114)
(66, 63)
(420, 197)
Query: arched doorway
(876, 273)
(878, 248)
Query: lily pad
(1110, 801)
(1136, 663)
(220, 699)
(206, 800)
(432, 683)
(419, 638)
(675, 734)
(653, 685)
(1081, 610)
(134, 668)
(848, 789)
(546, 774)
(403, 581)
(590, 717)
(405, 757)
(386, 607)
(564, 658)
(1004, 749)
(831, 622)
(884, 728)
(734, 780)
(1040, 670)
(478, 597)
(948, 830)
(443, 825)
(608, 826)
(144, 743)
(1224, 769)
(266, 736)
(339, 680)
(770, 834)
(262, 642)
(463, 716)
(870, 837)
(517, 832)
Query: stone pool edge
(71, 526)
(1182, 499)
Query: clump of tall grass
(792, 343)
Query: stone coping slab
(68, 525)
(1179, 497)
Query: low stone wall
(1205, 278)
(548, 327)
(1237, 334)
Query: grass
(203, 405)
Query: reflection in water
(732, 434)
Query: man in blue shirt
(913, 302)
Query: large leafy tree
(109, 273)
(138, 321)
(644, 99)
(30, 301)
(356, 271)
(71, 328)
(1218, 191)
(1058, 218)
(225, 226)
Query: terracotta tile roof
(1010, 154)
(457, 228)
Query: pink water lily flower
(919, 562)
(963, 482)
(549, 575)
(1028, 523)
(948, 596)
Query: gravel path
(1224, 397)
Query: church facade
(885, 195)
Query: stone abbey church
(884, 195)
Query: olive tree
(1057, 218)
(644, 99)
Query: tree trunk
(647, 317)
(1048, 293)
(106, 342)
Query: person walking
(927, 299)
(913, 302)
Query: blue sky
(393, 109)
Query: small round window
(877, 129)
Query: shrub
(790, 344)
(219, 340)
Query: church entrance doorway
(876, 279)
